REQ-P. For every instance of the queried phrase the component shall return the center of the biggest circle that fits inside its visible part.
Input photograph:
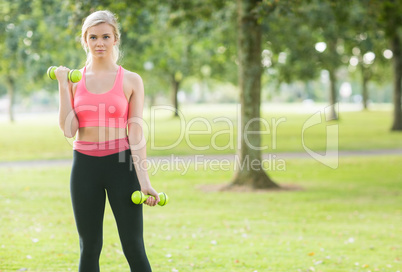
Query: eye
(92, 38)
(106, 37)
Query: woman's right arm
(68, 121)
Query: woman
(105, 108)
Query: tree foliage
(170, 41)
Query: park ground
(339, 219)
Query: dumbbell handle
(138, 197)
(73, 75)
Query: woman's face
(100, 40)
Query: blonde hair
(96, 18)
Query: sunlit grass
(348, 219)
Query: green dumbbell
(138, 197)
(73, 75)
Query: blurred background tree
(175, 42)
(387, 16)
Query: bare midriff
(100, 134)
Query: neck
(102, 65)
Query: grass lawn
(209, 129)
(348, 219)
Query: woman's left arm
(136, 137)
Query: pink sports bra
(108, 109)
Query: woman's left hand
(151, 201)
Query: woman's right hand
(61, 73)
(151, 201)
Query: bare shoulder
(132, 78)
(132, 84)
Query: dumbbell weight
(138, 197)
(73, 75)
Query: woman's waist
(101, 134)
(114, 144)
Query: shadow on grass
(209, 188)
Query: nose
(99, 42)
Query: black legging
(91, 178)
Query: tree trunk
(397, 65)
(249, 170)
(11, 96)
(365, 80)
(332, 95)
(175, 90)
(152, 100)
